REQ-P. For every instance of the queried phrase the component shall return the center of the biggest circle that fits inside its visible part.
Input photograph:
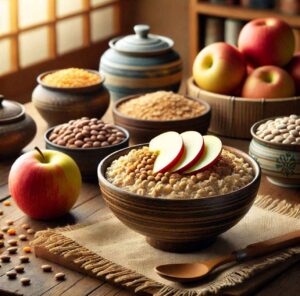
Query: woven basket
(234, 116)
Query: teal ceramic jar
(140, 63)
(279, 162)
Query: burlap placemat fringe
(56, 243)
(279, 206)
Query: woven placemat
(109, 250)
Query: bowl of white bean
(276, 147)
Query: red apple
(212, 151)
(294, 70)
(44, 184)
(267, 41)
(219, 68)
(193, 149)
(170, 148)
(268, 82)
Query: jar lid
(142, 42)
(10, 111)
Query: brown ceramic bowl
(142, 131)
(178, 224)
(87, 159)
(60, 104)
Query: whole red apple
(219, 68)
(44, 184)
(267, 41)
(294, 70)
(268, 82)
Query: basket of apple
(257, 79)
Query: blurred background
(38, 35)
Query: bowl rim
(79, 89)
(281, 146)
(240, 99)
(116, 104)
(101, 178)
(47, 133)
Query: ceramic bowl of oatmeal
(147, 115)
(276, 147)
(177, 212)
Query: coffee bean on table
(12, 250)
(19, 269)
(22, 237)
(12, 275)
(13, 242)
(25, 281)
(24, 259)
(2, 244)
(46, 268)
(1, 235)
(60, 276)
(5, 258)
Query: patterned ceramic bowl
(280, 162)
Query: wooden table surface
(90, 207)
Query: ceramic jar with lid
(140, 63)
(60, 104)
(17, 128)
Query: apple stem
(41, 153)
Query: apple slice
(193, 149)
(212, 150)
(170, 148)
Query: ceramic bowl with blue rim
(279, 162)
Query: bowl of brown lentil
(87, 141)
(276, 147)
(148, 115)
(176, 212)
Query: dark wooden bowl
(87, 159)
(178, 225)
(142, 131)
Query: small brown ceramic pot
(17, 128)
(178, 225)
(87, 159)
(61, 104)
(142, 131)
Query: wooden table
(89, 207)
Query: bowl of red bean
(276, 146)
(87, 141)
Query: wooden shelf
(244, 13)
(200, 8)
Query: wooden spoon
(188, 272)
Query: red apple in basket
(169, 147)
(193, 149)
(268, 82)
(212, 151)
(293, 69)
(44, 184)
(219, 68)
(267, 41)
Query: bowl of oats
(66, 94)
(179, 212)
(276, 147)
(147, 115)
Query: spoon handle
(268, 246)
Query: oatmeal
(133, 172)
(72, 77)
(161, 105)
